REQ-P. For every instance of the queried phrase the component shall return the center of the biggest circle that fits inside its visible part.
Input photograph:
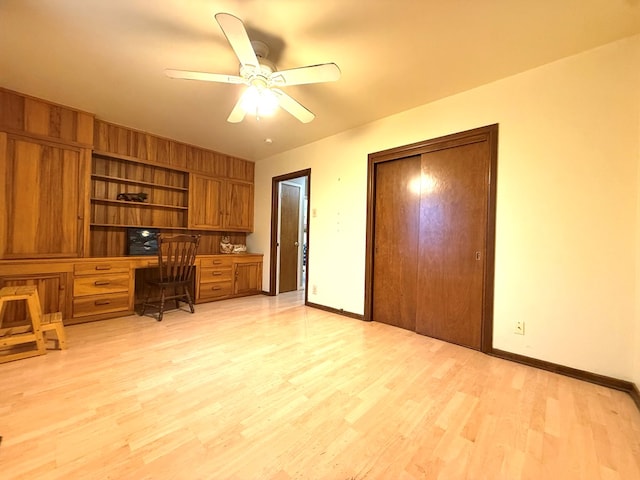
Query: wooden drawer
(93, 268)
(97, 285)
(219, 274)
(216, 262)
(210, 291)
(97, 304)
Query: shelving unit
(167, 192)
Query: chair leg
(175, 294)
(161, 312)
(146, 300)
(186, 292)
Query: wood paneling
(21, 114)
(241, 169)
(121, 140)
(112, 242)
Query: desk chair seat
(174, 276)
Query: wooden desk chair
(176, 259)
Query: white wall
(567, 205)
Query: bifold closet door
(395, 263)
(452, 245)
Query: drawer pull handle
(216, 274)
(103, 267)
(216, 288)
(217, 262)
(100, 283)
(97, 303)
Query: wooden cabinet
(206, 203)
(43, 193)
(247, 275)
(220, 204)
(101, 288)
(225, 276)
(165, 192)
(239, 206)
(215, 278)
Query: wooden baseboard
(335, 310)
(610, 382)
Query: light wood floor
(265, 388)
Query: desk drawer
(215, 274)
(93, 268)
(97, 285)
(209, 291)
(216, 262)
(94, 305)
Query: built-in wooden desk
(96, 288)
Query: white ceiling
(108, 56)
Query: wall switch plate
(519, 328)
(314, 289)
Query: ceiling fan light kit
(263, 94)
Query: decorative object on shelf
(239, 248)
(225, 244)
(133, 197)
(227, 247)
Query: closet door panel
(452, 246)
(395, 266)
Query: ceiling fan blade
(236, 34)
(238, 113)
(293, 107)
(203, 76)
(325, 72)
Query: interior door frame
(299, 239)
(487, 133)
(275, 208)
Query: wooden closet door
(452, 250)
(395, 266)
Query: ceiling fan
(264, 83)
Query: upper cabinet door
(239, 214)
(43, 191)
(206, 203)
(220, 204)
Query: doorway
(290, 195)
(431, 235)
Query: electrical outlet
(519, 328)
(314, 289)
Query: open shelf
(163, 227)
(128, 181)
(166, 189)
(138, 204)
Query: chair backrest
(176, 257)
